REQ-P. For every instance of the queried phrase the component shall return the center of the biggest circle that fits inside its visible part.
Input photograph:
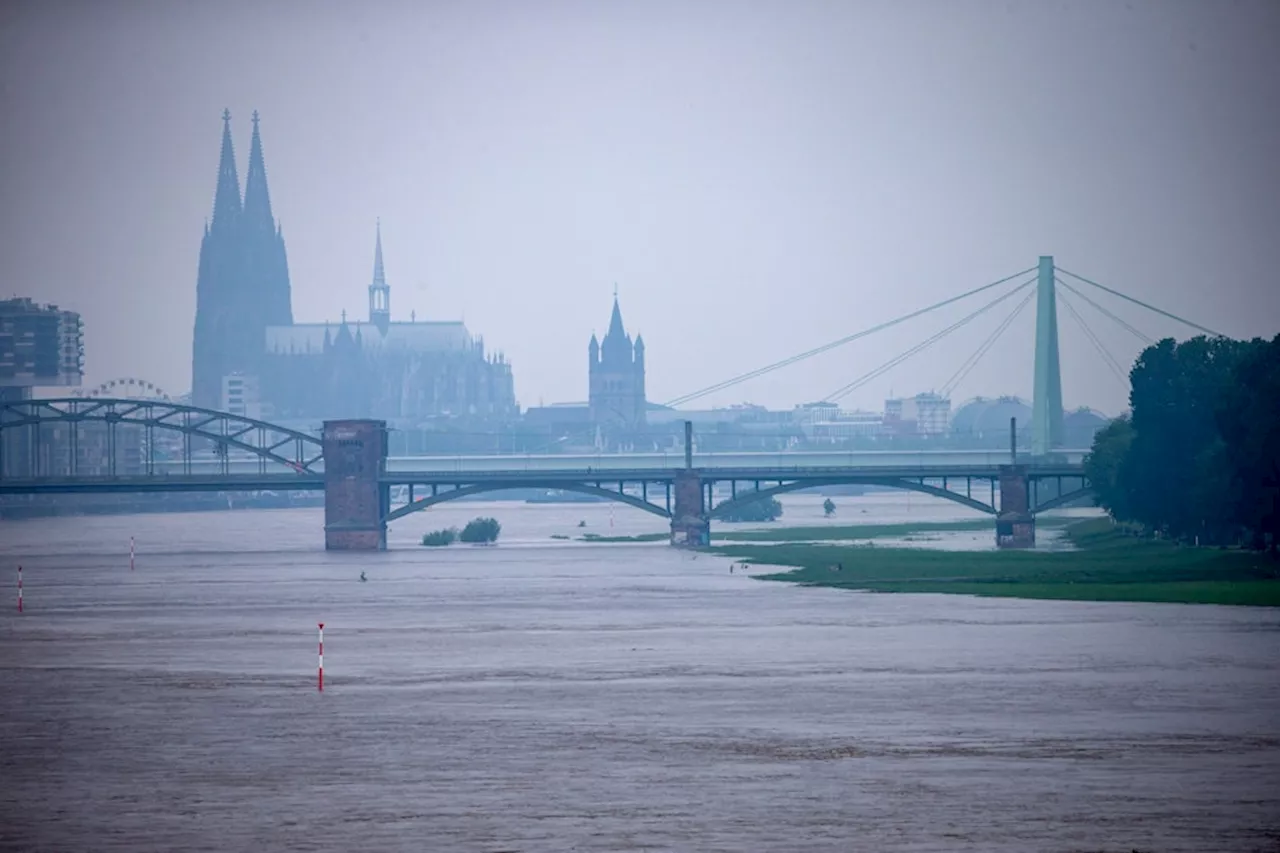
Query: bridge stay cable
(1102, 309)
(1142, 304)
(972, 361)
(1107, 357)
(923, 345)
(786, 362)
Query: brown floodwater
(551, 696)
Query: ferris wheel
(127, 388)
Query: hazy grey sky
(757, 177)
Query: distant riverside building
(923, 415)
(984, 421)
(41, 346)
(845, 426)
(241, 396)
(250, 356)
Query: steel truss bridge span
(73, 438)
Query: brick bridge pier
(690, 513)
(1015, 525)
(355, 501)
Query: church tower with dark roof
(616, 376)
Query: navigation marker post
(130, 553)
(320, 671)
(19, 589)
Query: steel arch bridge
(1067, 488)
(79, 437)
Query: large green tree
(1248, 419)
(1104, 467)
(1176, 392)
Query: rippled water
(549, 696)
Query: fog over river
(543, 695)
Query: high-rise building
(243, 281)
(924, 414)
(40, 346)
(616, 377)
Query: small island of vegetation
(479, 531)
(764, 509)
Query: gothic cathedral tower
(616, 376)
(243, 281)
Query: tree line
(1197, 458)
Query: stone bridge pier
(355, 501)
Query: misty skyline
(756, 178)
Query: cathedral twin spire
(242, 287)
(227, 206)
(257, 199)
(226, 201)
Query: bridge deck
(636, 466)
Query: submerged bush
(764, 509)
(481, 530)
(437, 538)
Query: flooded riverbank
(545, 696)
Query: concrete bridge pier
(355, 501)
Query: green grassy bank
(1107, 567)
(826, 532)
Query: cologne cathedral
(250, 355)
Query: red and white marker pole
(19, 589)
(130, 553)
(320, 672)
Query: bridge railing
(591, 464)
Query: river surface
(544, 695)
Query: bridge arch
(481, 488)
(744, 498)
(270, 442)
(1064, 499)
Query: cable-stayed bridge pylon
(1048, 420)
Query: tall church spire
(257, 200)
(226, 201)
(379, 275)
(379, 291)
(616, 329)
